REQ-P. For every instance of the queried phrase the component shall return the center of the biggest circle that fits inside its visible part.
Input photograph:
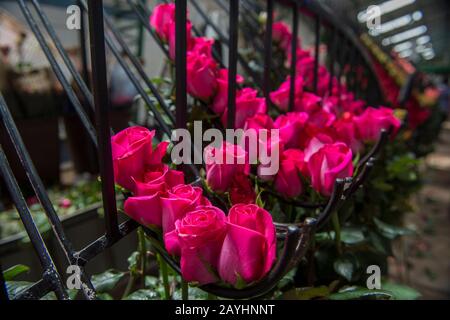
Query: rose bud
(372, 121)
(249, 248)
(198, 239)
(330, 162)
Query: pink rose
(145, 206)
(220, 101)
(331, 162)
(130, 151)
(201, 75)
(287, 181)
(198, 238)
(308, 102)
(372, 121)
(247, 105)
(346, 132)
(249, 248)
(162, 17)
(223, 163)
(291, 126)
(259, 121)
(177, 202)
(315, 143)
(280, 97)
(281, 35)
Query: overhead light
(422, 48)
(423, 39)
(403, 46)
(417, 15)
(385, 7)
(405, 53)
(396, 23)
(402, 36)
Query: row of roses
(336, 122)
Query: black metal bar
(180, 63)
(293, 67)
(83, 48)
(51, 31)
(316, 51)
(268, 50)
(58, 72)
(50, 272)
(232, 62)
(100, 90)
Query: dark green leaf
(14, 288)
(143, 294)
(104, 296)
(11, 273)
(132, 261)
(360, 293)
(107, 280)
(390, 231)
(347, 266)
(400, 292)
(306, 293)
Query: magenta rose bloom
(346, 132)
(219, 170)
(330, 162)
(287, 181)
(281, 35)
(131, 149)
(247, 105)
(162, 17)
(177, 202)
(198, 239)
(372, 121)
(292, 126)
(308, 102)
(220, 101)
(145, 206)
(201, 75)
(259, 121)
(249, 248)
(280, 97)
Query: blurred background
(411, 45)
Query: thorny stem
(165, 277)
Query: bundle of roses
(212, 246)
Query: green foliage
(106, 281)
(11, 273)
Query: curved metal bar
(336, 197)
(362, 177)
(381, 142)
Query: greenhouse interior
(146, 145)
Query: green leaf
(380, 243)
(15, 288)
(11, 273)
(352, 235)
(132, 262)
(151, 281)
(390, 231)
(347, 266)
(360, 293)
(349, 236)
(143, 294)
(107, 280)
(400, 292)
(306, 293)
